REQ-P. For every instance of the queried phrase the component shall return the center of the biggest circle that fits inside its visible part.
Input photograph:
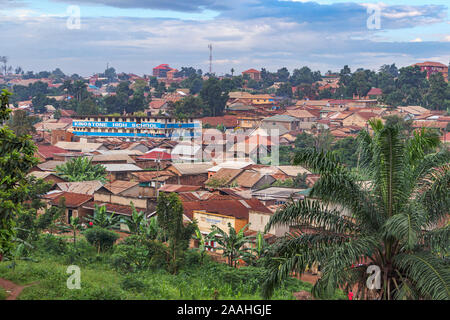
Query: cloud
(173, 5)
(137, 45)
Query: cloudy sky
(136, 35)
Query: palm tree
(100, 218)
(232, 243)
(136, 222)
(81, 169)
(394, 222)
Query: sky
(137, 35)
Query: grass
(203, 282)
(101, 281)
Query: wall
(258, 222)
(207, 220)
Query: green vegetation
(395, 216)
(16, 160)
(81, 169)
(102, 278)
(3, 294)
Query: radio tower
(210, 58)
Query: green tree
(392, 222)
(22, 124)
(169, 210)
(100, 218)
(213, 97)
(81, 169)
(232, 243)
(438, 96)
(16, 160)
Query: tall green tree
(81, 169)
(394, 220)
(22, 124)
(214, 98)
(169, 210)
(16, 159)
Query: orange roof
(431, 64)
(251, 71)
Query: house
(374, 93)
(278, 195)
(221, 211)
(47, 176)
(187, 152)
(302, 115)
(433, 67)
(47, 152)
(151, 181)
(120, 171)
(116, 198)
(73, 203)
(359, 119)
(161, 71)
(82, 187)
(47, 166)
(81, 146)
(252, 74)
(194, 174)
(228, 121)
(288, 122)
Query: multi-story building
(161, 71)
(434, 67)
(134, 127)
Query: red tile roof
(72, 200)
(228, 121)
(47, 151)
(155, 155)
(375, 92)
(251, 71)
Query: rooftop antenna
(210, 58)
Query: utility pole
(210, 58)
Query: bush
(48, 243)
(101, 238)
(131, 283)
(136, 253)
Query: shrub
(51, 244)
(132, 283)
(101, 238)
(136, 253)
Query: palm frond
(314, 214)
(428, 274)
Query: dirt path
(13, 290)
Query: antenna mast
(210, 58)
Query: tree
(438, 96)
(232, 243)
(22, 124)
(169, 210)
(393, 221)
(100, 218)
(135, 222)
(213, 97)
(16, 160)
(81, 169)
(282, 74)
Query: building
(133, 126)
(433, 67)
(161, 71)
(253, 74)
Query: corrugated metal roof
(118, 167)
(82, 187)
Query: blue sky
(136, 35)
